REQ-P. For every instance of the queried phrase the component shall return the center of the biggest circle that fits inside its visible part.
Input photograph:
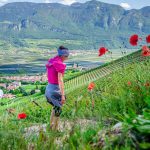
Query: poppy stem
(37, 104)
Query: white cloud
(68, 2)
(2, 2)
(65, 2)
(125, 5)
(47, 1)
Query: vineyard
(102, 71)
(114, 115)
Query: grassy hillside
(103, 70)
(88, 118)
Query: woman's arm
(61, 86)
(48, 64)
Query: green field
(31, 57)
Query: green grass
(115, 101)
(91, 75)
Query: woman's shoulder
(59, 63)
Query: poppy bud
(148, 39)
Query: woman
(55, 89)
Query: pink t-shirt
(54, 66)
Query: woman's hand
(61, 86)
(63, 99)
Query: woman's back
(54, 66)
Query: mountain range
(93, 22)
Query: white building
(1, 93)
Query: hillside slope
(88, 118)
(102, 71)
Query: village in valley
(11, 83)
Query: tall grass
(115, 97)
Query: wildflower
(145, 51)
(134, 40)
(102, 51)
(148, 39)
(129, 83)
(22, 116)
(91, 86)
(145, 48)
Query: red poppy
(22, 116)
(102, 51)
(145, 51)
(145, 48)
(148, 39)
(91, 86)
(134, 40)
(129, 83)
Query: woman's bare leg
(52, 118)
(56, 123)
(57, 112)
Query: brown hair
(62, 47)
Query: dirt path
(64, 125)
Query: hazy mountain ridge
(90, 21)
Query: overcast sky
(127, 4)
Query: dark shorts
(53, 95)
